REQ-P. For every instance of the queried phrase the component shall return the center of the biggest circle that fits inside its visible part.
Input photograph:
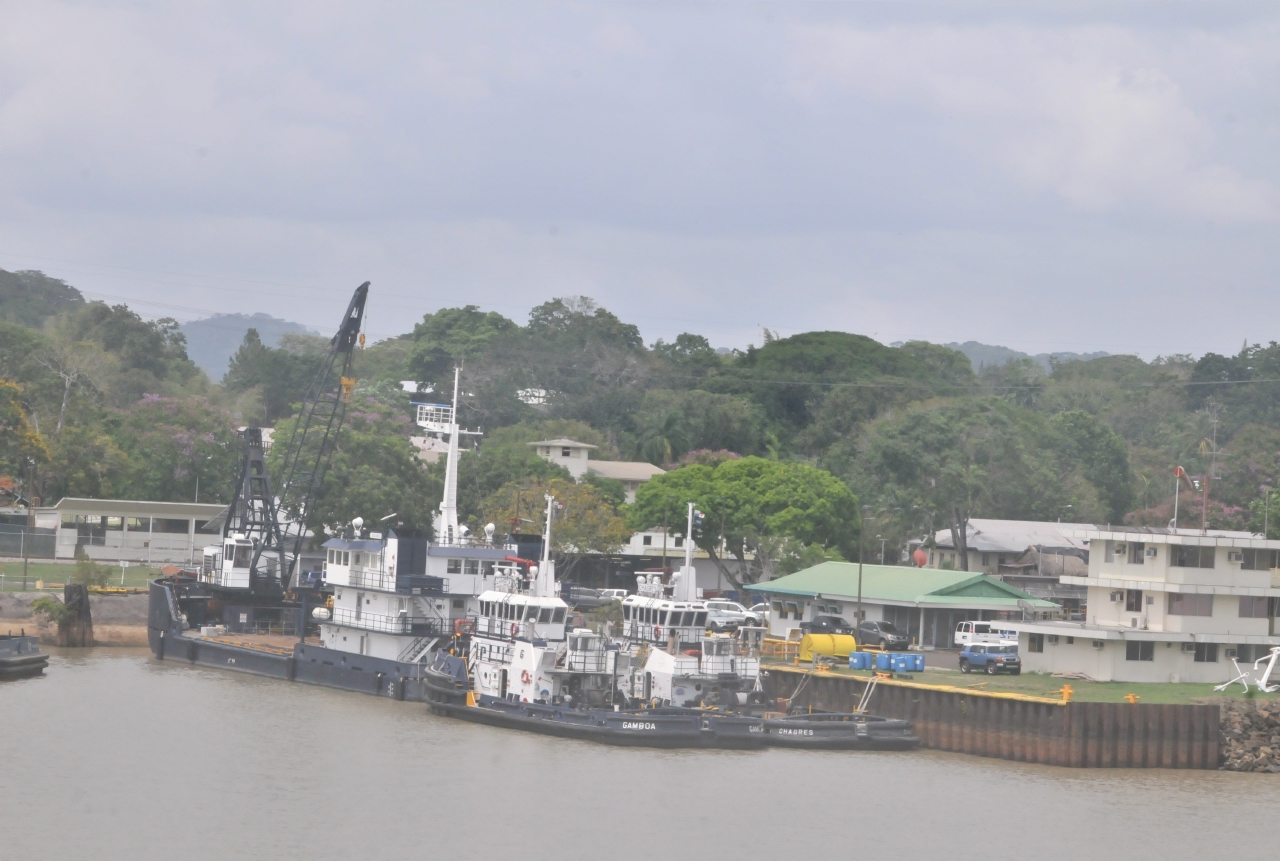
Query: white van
(984, 632)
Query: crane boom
(276, 525)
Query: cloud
(949, 172)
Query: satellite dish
(488, 531)
(358, 523)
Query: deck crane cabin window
(1192, 557)
(1181, 604)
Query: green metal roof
(899, 584)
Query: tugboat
(20, 656)
(525, 670)
(669, 659)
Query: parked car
(990, 658)
(582, 598)
(733, 610)
(882, 634)
(613, 594)
(826, 625)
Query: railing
(363, 579)
(588, 662)
(635, 630)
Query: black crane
(269, 528)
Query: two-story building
(1164, 605)
(575, 457)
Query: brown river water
(113, 755)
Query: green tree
(19, 441)
(281, 376)
(757, 503)
(586, 523)
(1102, 458)
(969, 458)
(171, 443)
(451, 336)
(375, 472)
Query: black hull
(840, 732)
(20, 657)
(307, 664)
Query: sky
(1057, 176)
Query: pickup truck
(984, 632)
(990, 658)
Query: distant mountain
(29, 298)
(988, 354)
(212, 342)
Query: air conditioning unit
(1151, 553)
(1098, 644)
(1188, 647)
(1230, 653)
(1133, 621)
(1235, 556)
(1117, 597)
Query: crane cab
(228, 564)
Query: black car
(882, 634)
(826, 625)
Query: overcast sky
(1049, 177)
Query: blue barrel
(917, 663)
(859, 660)
(882, 660)
(899, 663)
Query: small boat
(20, 656)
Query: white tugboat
(669, 658)
(521, 650)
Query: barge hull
(308, 664)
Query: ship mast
(448, 532)
(544, 585)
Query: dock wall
(1024, 729)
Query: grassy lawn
(135, 576)
(1037, 684)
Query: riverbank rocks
(1250, 735)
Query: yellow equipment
(834, 645)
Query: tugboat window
(454, 566)
(559, 615)
(544, 615)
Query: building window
(1110, 555)
(1071, 641)
(1145, 651)
(1253, 607)
(1053, 639)
(647, 540)
(1192, 557)
(1252, 652)
(1206, 653)
(679, 542)
(1260, 560)
(565, 452)
(779, 610)
(454, 566)
(1035, 642)
(986, 559)
(1133, 600)
(1137, 552)
(1190, 605)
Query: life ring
(525, 678)
(515, 628)
(657, 632)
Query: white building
(126, 530)
(574, 456)
(1164, 606)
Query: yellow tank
(832, 645)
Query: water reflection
(115, 755)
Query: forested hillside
(105, 403)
